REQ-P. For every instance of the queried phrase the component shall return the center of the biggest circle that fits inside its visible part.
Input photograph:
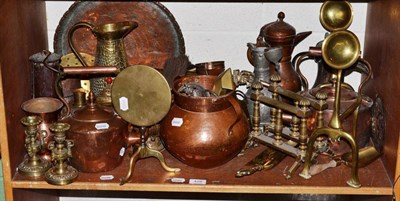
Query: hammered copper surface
(157, 38)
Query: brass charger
(141, 96)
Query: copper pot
(48, 109)
(204, 132)
(210, 68)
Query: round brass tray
(141, 95)
(157, 38)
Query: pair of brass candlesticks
(60, 173)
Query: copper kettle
(281, 34)
(99, 134)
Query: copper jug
(204, 132)
(281, 34)
(110, 49)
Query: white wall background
(220, 31)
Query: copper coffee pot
(281, 34)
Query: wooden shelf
(149, 176)
(24, 33)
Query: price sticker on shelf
(178, 180)
(198, 181)
(106, 177)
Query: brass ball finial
(275, 78)
(304, 103)
(321, 96)
(256, 86)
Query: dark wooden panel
(27, 194)
(382, 50)
(23, 33)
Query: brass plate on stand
(141, 95)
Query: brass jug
(110, 50)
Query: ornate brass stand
(143, 102)
(143, 151)
(33, 165)
(61, 173)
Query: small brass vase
(32, 165)
(61, 173)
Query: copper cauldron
(204, 132)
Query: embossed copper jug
(110, 50)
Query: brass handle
(71, 43)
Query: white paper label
(122, 151)
(106, 177)
(100, 126)
(197, 181)
(178, 180)
(123, 103)
(177, 122)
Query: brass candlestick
(61, 173)
(33, 165)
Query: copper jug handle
(238, 109)
(363, 67)
(71, 43)
(300, 58)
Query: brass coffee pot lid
(141, 95)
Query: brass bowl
(336, 15)
(341, 49)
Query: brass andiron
(61, 173)
(142, 104)
(33, 165)
(340, 50)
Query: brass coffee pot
(110, 50)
